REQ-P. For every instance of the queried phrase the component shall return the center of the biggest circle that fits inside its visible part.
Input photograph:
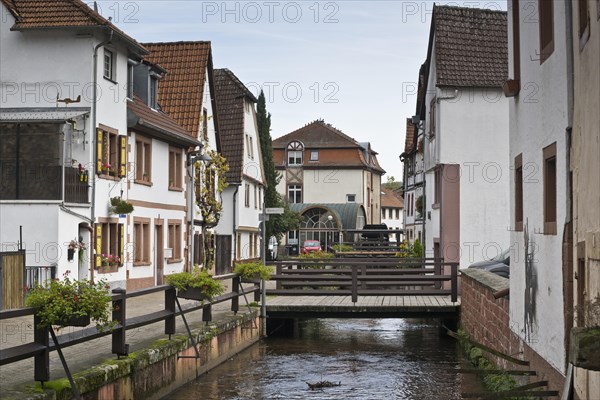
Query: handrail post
(363, 272)
(41, 369)
(119, 346)
(207, 313)
(235, 288)
(354, 283)
(170, 297)
(437, 271)
(454, 281)
(278, 271)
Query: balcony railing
(76, 186)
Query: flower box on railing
(192, 294)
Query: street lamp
(329, 218)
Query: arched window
(319, 224)
(295, 151)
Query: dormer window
(153, 93)
(295, 151)
(109, 65)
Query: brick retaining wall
(486, 320)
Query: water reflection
(372, 359)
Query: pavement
(80, 357)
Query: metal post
(64, 364)
(263, 287)
(187, 327)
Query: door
(223, 255)
(12, 280)
(159, 259)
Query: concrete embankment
(154, 368)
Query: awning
(347, 213)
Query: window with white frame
(314, 155)
(294, 153)
(295, 193)
(153, 98)
(109, 65)
(351, 198)
(129, 81)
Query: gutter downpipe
(234, 230)
(95, 150)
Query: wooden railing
(366, 277)
(40, 348)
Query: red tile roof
(142, 117)
(471, 46)
(321, 135)
(37, 14)
(181, 92)
(230, 93)
(409, 142)
(391, 199)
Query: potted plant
(70, 302)
(110, 260)
(72, 247)
(252, 271)
(196, 285)
(120, 206)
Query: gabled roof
(471, 46)
(157, 123)
(317, 134)
(230, 93)
(391, 199)
(46, 14)
(181, 92)
(321, 135)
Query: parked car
(379, 233)
(499, 265)
(310, 246)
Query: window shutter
(99, 145)
(121, 229)
(122, 156)
(98, 245)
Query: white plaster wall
(473, 133)
(538, 117)
(225, 226)
(332, 185)
(432, 225)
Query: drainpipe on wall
(95, 151)
(234, 234)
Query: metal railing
(39, 274)
(366, 277)
(41, 347)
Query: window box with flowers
(71, 302)
(196, 285)
(252, 272)
(109, 260)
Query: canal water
(369, 359)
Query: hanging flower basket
(120, 206)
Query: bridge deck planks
(420, 306)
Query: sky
(352, 63)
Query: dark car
(379, 233)
(499, 265)
(310, 246)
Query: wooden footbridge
(364, 288)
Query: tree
(392, 184)
(289, 220)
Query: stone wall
(155, 371)
(486, 321)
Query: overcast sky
(352, 63)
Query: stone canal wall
(156, 370)
(486, 320)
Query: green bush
(342, 248)
(410, 250)
(316, 255)
(58, 301)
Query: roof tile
(471, 46)
(186, 64)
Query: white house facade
(243, 198)
(392, 212)
(60, 85)
(466, 136)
